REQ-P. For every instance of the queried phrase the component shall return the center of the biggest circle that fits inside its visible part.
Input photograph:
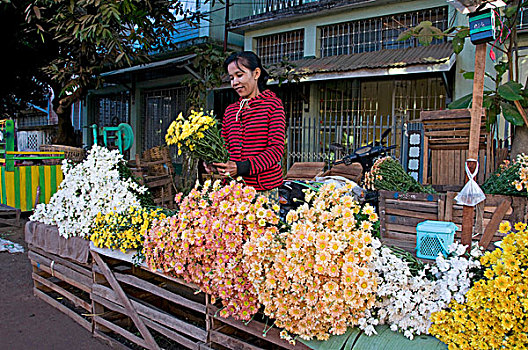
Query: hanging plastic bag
(471, 194)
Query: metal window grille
(265, 6)
(113, 109)
(293, 98)
(274, 48)
(374, 34)
(414, 96)
(160, 108)
(353, 113)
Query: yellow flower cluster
(123, 230)
(522, 183)
(495, 314)
(316, 279)
(185, 131)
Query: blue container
(482, 26)
(433, 238)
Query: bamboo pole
(468, 213)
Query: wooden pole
(468, 213)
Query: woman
(253, 127)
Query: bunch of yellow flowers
(495, 314)
(199, 136)
(124, 230)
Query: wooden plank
(401, 228)
(411, 214)
(61, 272)
(155, 315)
(441, 208)
(230, 342)
(399, 235)
(382, 208)
(113, 343)
(407, 245)
(172, 335)
(420, 206)
(410, 196)
(149, 340)
(163, 293)
(85, 269)
(256, 328)
(425, 168)
(70, 313)
(456, 167)
(73, 298)
(404, 220)
(444, 114)
(448, 214)
(121, 331)
(493, 225)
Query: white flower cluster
(88, 188)
(406, 302)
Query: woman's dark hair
(251, 61)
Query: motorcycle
(291, 195)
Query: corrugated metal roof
(378, 59)
(144, 66)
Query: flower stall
(222, 271)
(23, 182)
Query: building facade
(357, 78)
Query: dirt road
(26, 322)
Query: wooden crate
(63, 283)
(134, 305)
(228, 333)
(488, 216)
(401, 212)
(304, 170)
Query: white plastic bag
(471, 194)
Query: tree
(97, 35)
(24, 53)
(508, 96)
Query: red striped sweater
(256, 134)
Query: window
(113, 109)
(161, 107)
(274, 48)
(374, 34)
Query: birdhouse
(482, 26)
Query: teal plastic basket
(433, 238)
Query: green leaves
(511, 113)
(425, 32)
(511, 91)
(462, 102)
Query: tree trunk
(63, 108)
(66, 133)
(520, 141)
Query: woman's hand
(209, 168)
(226, 169)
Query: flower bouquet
(316, 279)
(388, 174)
(199, 136)
(203, 242)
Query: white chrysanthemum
(88, 188)
(406, 302)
